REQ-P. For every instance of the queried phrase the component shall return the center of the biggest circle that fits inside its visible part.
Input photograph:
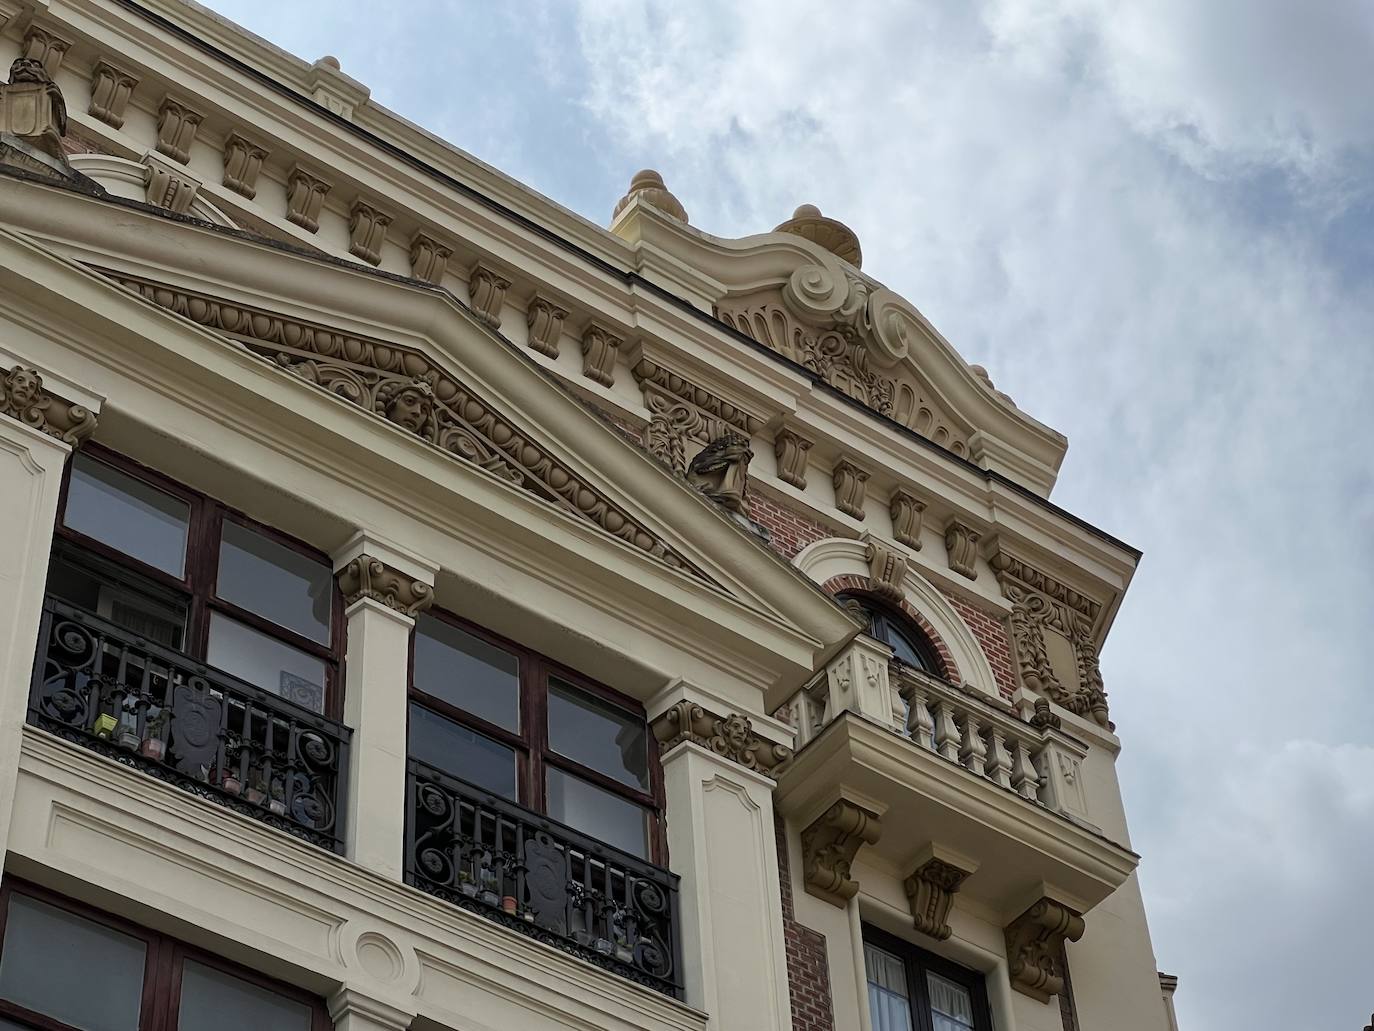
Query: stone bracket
(731, 736)
(829, 846)
(1035, 947)
(931, 887)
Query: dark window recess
(536, 799)
(911, 990)
(895, 629)
(131, 978)
(182, 639)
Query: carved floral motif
(22, 397)
(791, 451)
(305, 195)
(851, 484)
(45, 47)
(487, 293)
(730, 736)
(906, 511)
(961, 542)
(930, 891)
(545, 321)
(599, 348)
(886, 571)
(176, 129)
(428, 258)
(367, 228)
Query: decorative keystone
(111, 88)
(22, 397)
(305, 195)
(545, 320)
(851, 484)
(961, 541)
(487, 293)
(367, 232)
(930, 890)
(906, 510)
(599, 348)
(1035, 948)
(367, 577)
(176, 129)
(829, 846)
(730, 736)
(886, 571)
(169, 188)
(242, 162)
(791, 450)
(428, 258)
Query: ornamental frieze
(729, 736)
(405, 387)
(23, 397)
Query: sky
(1153, 222)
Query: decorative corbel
(545, 320)
(42, 45)
(961, 541)
(367, 231)
(721, 471)
(851, 484)
(729, 736)
(176, 129)
(1035, 947)
(599, 349)
(791, 450)
(830, 845)
(886, 571)
(305, 195)
(169, 187)
(242, 162)
(487, 293)
(428, 258)
(22, 397)
(111, 88)
(930, 890)
(907, 511)
(367, 577)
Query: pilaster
(352, 1010)
(384, 587)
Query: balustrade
(209, 733)
(537, 876)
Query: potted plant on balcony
(256, 792)
(466, 884)
(490, 881)
(277, 802)
(154, 744)
(128, 736)
(105, 725)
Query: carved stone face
(23, 387)
(28, 69)
(736, 731)
(411, 408)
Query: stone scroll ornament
(829, 846)
(23, 397)
(729, 736)
(1035, 948)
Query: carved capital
(1035, 948)
(487, 293)
(45, 47)
(305, 195)
(851, 485)
(111, 88)
(907, 511)
(242, 162)
(930, 889)
(961, 541)
(730, 736)
(545, 320)
(367, 577)
(886, 571)
(367, 228)
(791, 450)
(721, 471)
(176, 129)
(428, 258)
(22, 397)
(599, 348)
(829, 846)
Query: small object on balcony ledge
(508, 904)
(105, 726)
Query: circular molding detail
(379, 958)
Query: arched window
(896, 630)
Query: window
(188, 573)
(896, 630)
(513, 723)
(130, 978)
(911, 990)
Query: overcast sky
(1153, 222)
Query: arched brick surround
(854, 582)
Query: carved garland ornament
(829, 846)
(730, 736)
(22, 397)
(405, 387)
(367, 577)
(1035, 948)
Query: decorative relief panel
(111, 88)
(405, 387)
(22, 397)
(730, 736)
(830, 845)
(1048, 617)
(242, 163)
(176, 129)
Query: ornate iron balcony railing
(543, 879)
(207, 732)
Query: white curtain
(889, 1000)
(951, 1006)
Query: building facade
(426, 608)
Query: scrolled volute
(731, 736)
(829, 846)
(368, 577)
(23, 397)
(1035, 947)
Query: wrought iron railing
(542, 878)
(156, 709)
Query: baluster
(999, 766)
(946, 732)
(973, 753)
(1024, 780)
(918, 722)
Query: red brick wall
(991, 632)
(808, 974)
(788, 531)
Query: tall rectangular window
(912, 990)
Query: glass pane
(597, 736)
(465, 671)
(212, 1000)
(45, 947)
(903, 648)
(463, 753)
(266, 662)
(275, 582)
(598, 813)
(128, 515)
(889, 998)
(120, 600)
(951, 1004)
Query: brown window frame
(533, 753)
(159, 1008)
(197, 587)
(917, 962)
(894, 618)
